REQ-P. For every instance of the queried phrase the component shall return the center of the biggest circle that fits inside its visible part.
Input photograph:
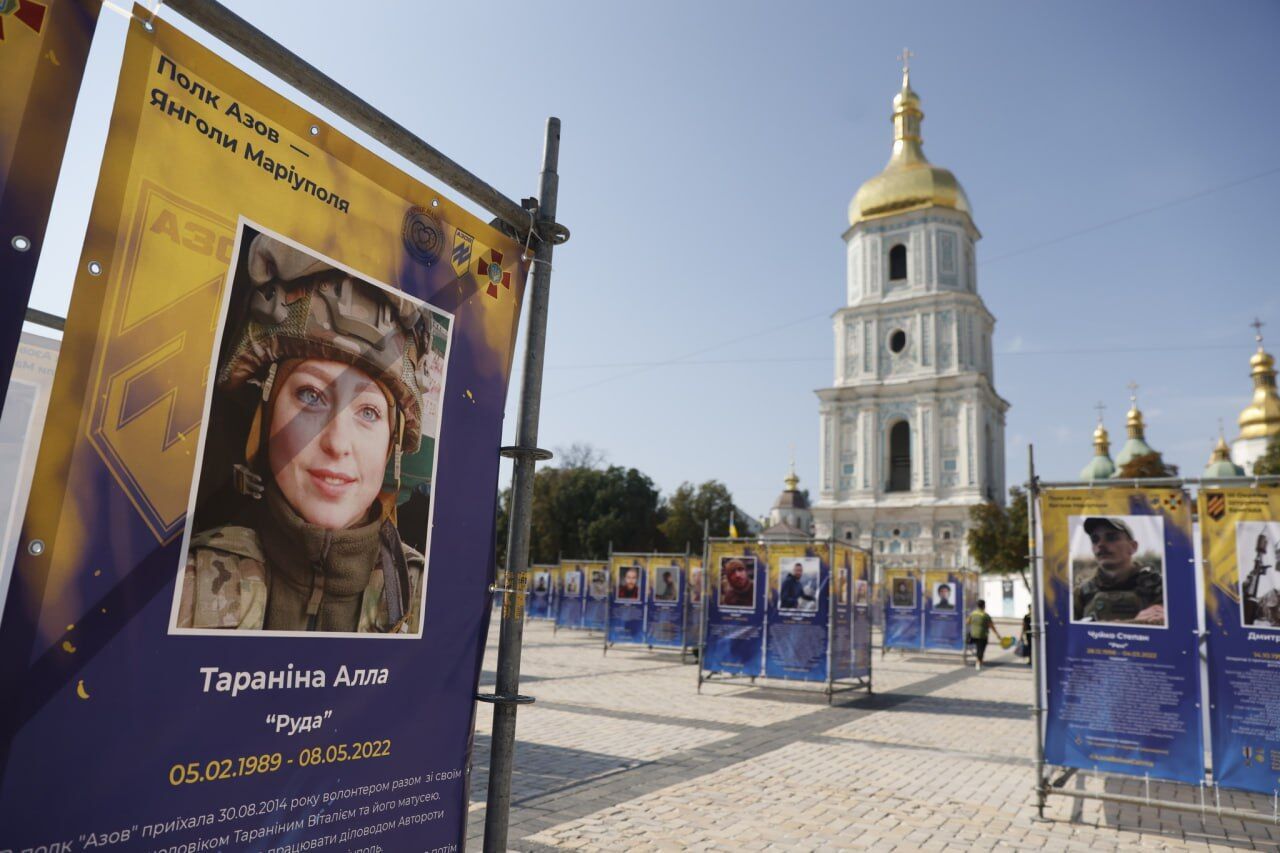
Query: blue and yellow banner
(1240, 534)
(693, 593)
(628, 576)
(799, 607)
(542, 589)
(226, 602)
(902, 609)
(571, 594)
(862, 597)
(1121, 661)
(944, 610)
(595, 606)
(666, 601)
(737, 573)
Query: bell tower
(912, 429)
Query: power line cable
(641, 367)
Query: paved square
(620, 752)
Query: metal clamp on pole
(516, 451)
(504, 699)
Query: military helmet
(302, 307)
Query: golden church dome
(909, 181)
(1261, 418)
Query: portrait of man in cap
(1118, 580)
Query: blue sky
(1120, 159)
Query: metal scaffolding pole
(506, 696)
(1037, 662)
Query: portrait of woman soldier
(335, 368)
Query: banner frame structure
(831, 685)
(647, 556)
(533, 222)
(921, 573)
(1046, 783)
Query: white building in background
(912, 431)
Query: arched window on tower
(900, 458)
(898, 263)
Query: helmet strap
(246, 479)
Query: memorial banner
(693, 607)
(541, 592)
(734, 607)
(862, 611)
(595, 609)
(570, 595)
(944, 610)
(902, 609)
(230, 625)
(627, 574)
(43, 48)
(664, 621)
(842, 611)
(799, 606)
(1240, 532)
(1121, 654)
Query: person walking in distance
(980, 627)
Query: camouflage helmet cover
(302, 307)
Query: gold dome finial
(1101, 439)
(1133, 418)
(792, 482)
(909, 181)
(1221, 453)
(1261, 418)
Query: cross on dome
(905, 58)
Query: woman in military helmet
(336, 367)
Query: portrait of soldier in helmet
(326, 394)
(1117, 569)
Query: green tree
(686, 510)
(1146, 465)
(578, 512)
(1269, 462)
(998, 536)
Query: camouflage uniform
(1097, 600)
(278, 572)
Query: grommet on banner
(315, 130)
(20, 243)
(36, 547)
(95, 268)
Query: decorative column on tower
(912, 430)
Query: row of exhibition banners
(655, 599)
(1144, 617)
(776, 610)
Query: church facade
(912, 430)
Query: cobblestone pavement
(621, 752)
